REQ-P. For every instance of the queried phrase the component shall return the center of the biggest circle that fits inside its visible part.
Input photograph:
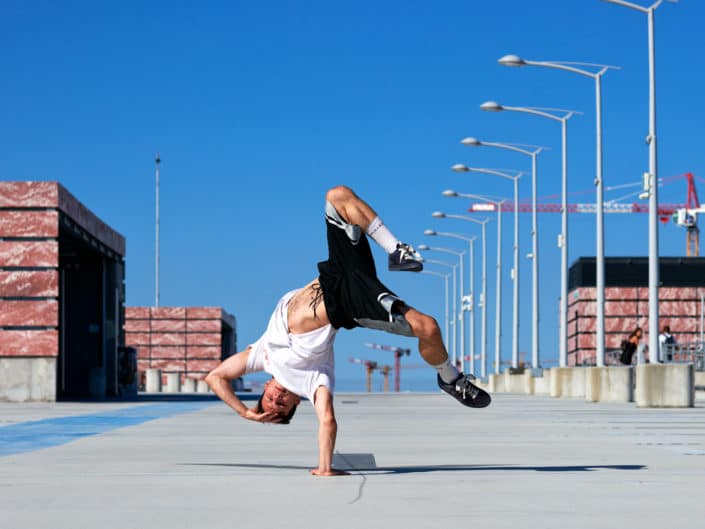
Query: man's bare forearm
(327, 432)
(221, 387)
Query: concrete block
(567, 382)
(202, 387)
(665, 386)
(609, 384)
(542, 384)
(153, 382)
(24, 379)
(700, 379)
(173, 382)
(189, 385)
(496, 383)
(521, 383)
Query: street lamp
(533, 151)
(483, 294)
(586, 70)
(460, 168)
(498, 293)
(445, 277)
(464, 299)
(459, 255)
(653, 175)
(565, 115)
(461, 316)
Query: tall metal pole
(515, 304)
(461, 317)
(455, 315)
(498, 302)
(483, 360)
(600, 265)
(534, 269)
(563, 333)
(471, 287)
(157, 161)
(653, 195)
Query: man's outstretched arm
(219, 381)
(327, 431)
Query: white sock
(382, 236)
(447, 371)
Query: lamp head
(512, 60)
(460, 168)
(473, 142)
(491, 106)
(438, 215)
(449, 193)
(429, 232)
(424, 247)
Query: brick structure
(186, 340)
(681, 294)
(61, 295)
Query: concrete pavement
(417, 461)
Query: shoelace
(407, 251)
(466, 387)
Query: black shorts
(352, 293)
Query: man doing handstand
(297, 347)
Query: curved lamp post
(562, 116)
(653, 175)
(461, 316)
(460, 168)
(533, 151)
(459, 255)
(586, 69)
(483, 295)
(498, 292)
(445, 278)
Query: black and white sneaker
(465, 391)
(405, 258)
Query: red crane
(398, 353)
(682, 214)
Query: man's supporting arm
(219, 381)
(327, 431)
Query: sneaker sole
(416, 267)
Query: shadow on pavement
(413, 469)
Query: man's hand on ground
(329, 472)
(267, 416)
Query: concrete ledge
(173, 382)
(665, 386)
(542, 384)
(495, 384)
(521, 383)
(609, 384)
(189, 385)
(567, 382)
(153, 382)
(700, 379)
(24, 379)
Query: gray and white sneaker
(405, 258)
(465, 392)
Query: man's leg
(432, 350)
(354, 210)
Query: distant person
(630, 346)
(665, 339)
(297, 347)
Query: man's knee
(339, 195)
(424, 326)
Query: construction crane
(398, 353)
(687, 218)
(684, 215)
(370, 367)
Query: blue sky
(258, 107)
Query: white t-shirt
(300, 362)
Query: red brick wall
(625, 308)
(188, 340)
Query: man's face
(276, 398)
